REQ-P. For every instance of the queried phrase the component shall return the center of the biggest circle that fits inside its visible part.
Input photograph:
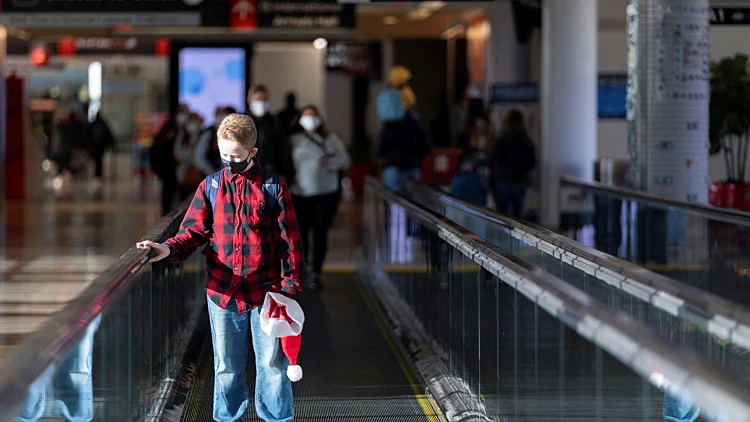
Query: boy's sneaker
(314, 282)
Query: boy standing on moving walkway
(245, 215)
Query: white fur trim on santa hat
(294, 372)
(277, 327)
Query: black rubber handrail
(50, 343)
(708, 211)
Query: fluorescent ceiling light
(390, 20)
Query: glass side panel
(685, 245)
(117, 370)
(522, 363)
(678, 331)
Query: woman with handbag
(318, 156)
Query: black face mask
(236, 166)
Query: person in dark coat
(101, 139)
(512, 158)
(273, 150)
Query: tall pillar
(3, 113)
(668, 106)
(569, 80)
(669, 97)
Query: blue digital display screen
(612, 96)
(211, 77)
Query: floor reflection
(51, 250)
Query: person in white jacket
(319, 156)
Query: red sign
(161, 47)
(243, 14)
(66, 47)
(39, 55)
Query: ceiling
(381, 20)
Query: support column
(3, 111)
(669, 97)
(668, 106)
(569, 116)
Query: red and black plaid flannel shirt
(254, 246)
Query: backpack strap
(271, 188)
(212, 185)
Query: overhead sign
(352, 58)
(244, 14)
(87, 46)
(730, 16)
(289, 14)
(88, 13)
(612, 96)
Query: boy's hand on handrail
(160, 250)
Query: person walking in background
(264, 254)
(476, 133)
(63, 140)
(318, 156)
(403, 143)
(100, 139)
(460, 112)
(206, 155)
(512, 158)
(188, 175)
(162, 158)
(288, 114)
(272, 150)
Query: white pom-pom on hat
(294, 372)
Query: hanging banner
(290, 14)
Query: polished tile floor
(51, 249)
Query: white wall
(298, 67)
(339, 102)
(612, 49)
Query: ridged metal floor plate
(351, 374)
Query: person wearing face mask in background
(206, 153)
(272, 151)
(318, 156)
(188, 175)
(161, 155)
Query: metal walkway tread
(350, 373)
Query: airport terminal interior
(375, 210)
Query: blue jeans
(70, 381)
(273, 389)
(679, 409)
(395, 178)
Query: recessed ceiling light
(390, 20)
(320, 43)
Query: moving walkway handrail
(25, 363)
(720, 396)
(710, 212)
(723, 318)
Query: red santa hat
(282, 317)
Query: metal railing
(727, 320)
(131, 324)
(721, 396)
(726, 215)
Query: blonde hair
(238, 128)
